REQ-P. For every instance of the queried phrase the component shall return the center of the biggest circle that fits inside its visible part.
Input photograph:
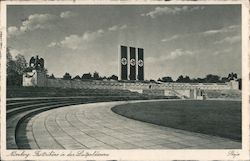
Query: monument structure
(34, 74)
(131, 63)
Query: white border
(138, 154)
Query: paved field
(95, 126)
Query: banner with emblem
(124, 63)
(140, 64)
(132, 75)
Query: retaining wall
(135, 86)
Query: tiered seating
(67, 92)
(224, 94)
(36, 100)
(18, 111)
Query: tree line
(210, 78)
(86, 76)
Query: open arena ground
(213, 117)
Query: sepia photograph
(124, 76)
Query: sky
(193, 40)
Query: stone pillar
(234, 84)
(34, 78)
(191, 94)
(195, 93)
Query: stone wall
(155, 92)
(190, 93)
(183, 90)
(136, 86)
(83, 84)
(41, 78)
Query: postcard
(124, 80)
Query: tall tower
(140, 64)
(132, 62)
(124, 63)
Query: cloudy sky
(188, 40)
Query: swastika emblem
(132, 62)
(124, 61)
(140, 63)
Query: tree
(96, 76)
(52, 76)
(77, 77)
(15, 69)
(153, 81)
(87, 76)
(45, 71)
(165, 79)
(180, 79)
(224, 79)
(199, 80)
(67, 76)
(113, 77)
(21, 64)
(210, 78)
(186, 79)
